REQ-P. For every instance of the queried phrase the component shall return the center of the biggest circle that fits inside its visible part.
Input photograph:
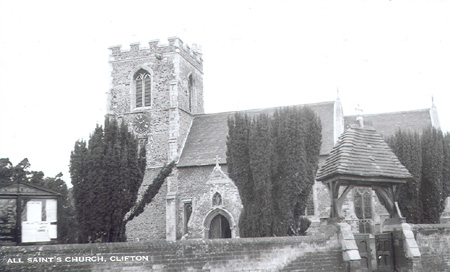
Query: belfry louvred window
(143, 88)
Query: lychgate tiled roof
(387, 124)
(361, 153)
(208, 134)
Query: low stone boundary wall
(434, 245)
(321, 252)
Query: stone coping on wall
(317, 252)
(417, 227)
(326, 234)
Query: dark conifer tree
(261, 150)
(407, 147)
(446, 171)
(431, 190)
(273, 162)
(238, 162)
(106, 177)
(427, 157)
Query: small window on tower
(190, 92)
(142, 80)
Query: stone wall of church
(191, 186)
(151, 224)
(184, 125)
(186, 70)
(321, 196)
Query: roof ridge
(392, 112)
(268, 108)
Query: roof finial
(337, 93)
(432, 101)
(360, 118)
(217, 161)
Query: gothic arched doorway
(219, 227)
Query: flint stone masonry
(319, 253)
(140, 228)
(168, 119)
(198, 185)
(434, 245)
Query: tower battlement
(176, 45)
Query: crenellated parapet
(155, 49)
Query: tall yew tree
(431, 189)
(427, 157)
(106, 175)
(273, 161)
(408, 148)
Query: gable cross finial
(359, 109)
(217, 161)
(359, 118)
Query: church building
(158, 91)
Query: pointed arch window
(363, 208)
(217, 199)
(142, 81)
(187, 214)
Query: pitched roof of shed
(362, 153)
(388, 123)
(208, 134)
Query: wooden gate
(385, 252)
(363, 243)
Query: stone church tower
(157, 90)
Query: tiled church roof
(388, 123)
(362, 154)
(208, 134)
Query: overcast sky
(54, 72)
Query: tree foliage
(106, 176)
(427, 157)
(408, 148)
(273, 161)
(20, 173)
